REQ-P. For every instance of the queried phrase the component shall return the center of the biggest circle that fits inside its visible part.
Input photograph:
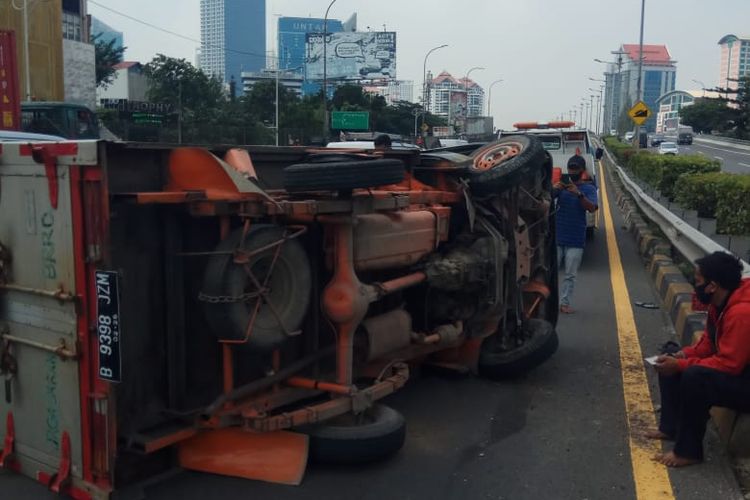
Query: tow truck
(562, 139)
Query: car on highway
(685, 137)
(629, 136)
(668, 148)
(656, 139)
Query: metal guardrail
(689, 242)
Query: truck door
(43, 314)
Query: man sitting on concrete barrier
(713, 372)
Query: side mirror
(599, 153)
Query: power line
(178, 35)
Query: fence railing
(687, 240)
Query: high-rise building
(658, 77)
(292, 39)
(393, 91)
(735, 60)
(105, 33)
(289, 79)
(466, 96)
(233, 37)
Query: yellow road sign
(639, 113)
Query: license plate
(108, 325)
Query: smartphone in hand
(565, 179)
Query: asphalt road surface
(564, 431)
(733, 159)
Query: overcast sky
(542, 49)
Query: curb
(676, 295)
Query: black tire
(509, 364)
(290, 287)
(339, 442)
(485, 176)
(342, 175)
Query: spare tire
(343, 175)
(344, 440)
(501, 364)
(289, 288)
(493, 163)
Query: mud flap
(275, 457)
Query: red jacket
(732, 351)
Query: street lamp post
(615, 89)
(591, 110)
(489, 97)
(582, 115)
(640, 68)
(599, 106)
(325, 71)
(703, 86)
(466, 86)
(425, 102)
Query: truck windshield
(61, 119)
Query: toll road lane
(734, 160)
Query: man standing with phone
(575, 197)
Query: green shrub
(699, 192)
(620, 150)
(662, 171)
(723, 195)
(733, 207)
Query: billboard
(352, 56)
(10, 97)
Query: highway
(568, 430)
(734, 158)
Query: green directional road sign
(350, 120)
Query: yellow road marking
(651, 478)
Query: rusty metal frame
(357, 402)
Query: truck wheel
(289, 288)
(500, 364)
(376, 434)
(493, 163)
(342, 175)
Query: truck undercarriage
(236, 310)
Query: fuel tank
(394, 240)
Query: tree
(198, 99)
(106, 56)
(737, 115)
(397, 118)
(706, 115)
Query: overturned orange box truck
(239, 311)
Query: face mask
(701, 295)
(575, 177)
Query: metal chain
(228, 299)
(5, 260)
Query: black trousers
(686, 399)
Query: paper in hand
(652, 360)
